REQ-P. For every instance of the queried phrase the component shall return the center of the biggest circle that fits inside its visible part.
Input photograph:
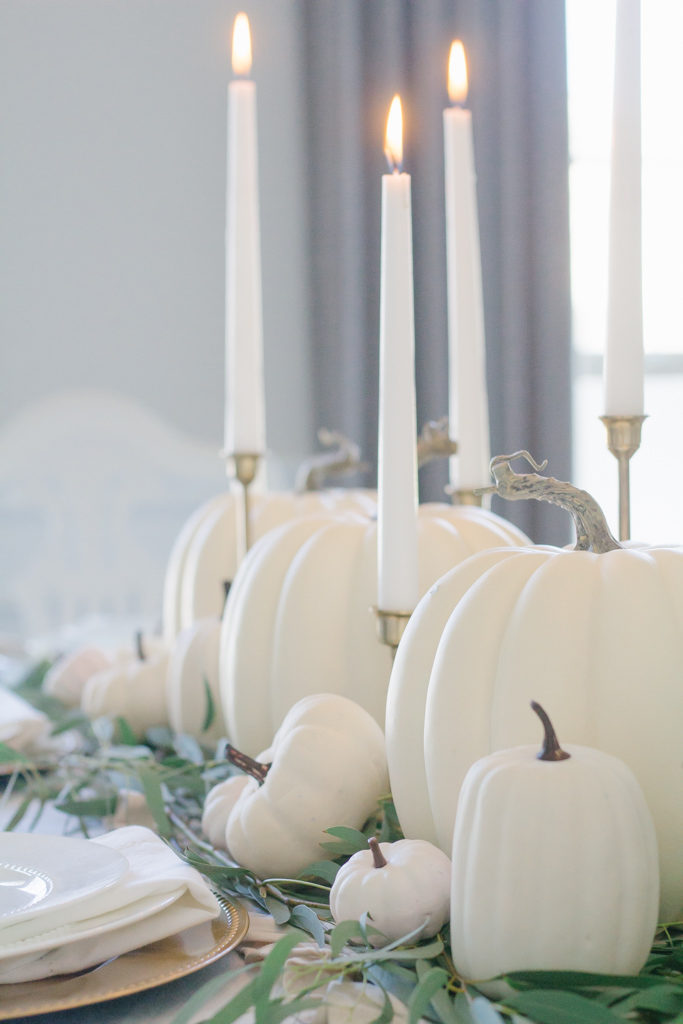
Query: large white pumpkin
(596, 636)
(298, 619)
(204, 556)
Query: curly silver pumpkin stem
(592, 531)
(314, 471)
(434, 442)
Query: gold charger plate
(141, 969)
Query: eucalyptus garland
(174, 773)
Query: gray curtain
(358, 53)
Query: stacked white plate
(69, 903)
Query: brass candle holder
(244, 469)
(391, 627)
(623, 440)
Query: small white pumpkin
(134, 690)
(66, 679)
(402, 886)
(554, 864)
(328, 768)
(218, 804)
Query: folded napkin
(125, 916)
(21, 726)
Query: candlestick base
(244, 469)
(391, 627)
(623, 440)
(466, 495)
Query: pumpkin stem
(377, 855)
(140, 650)
(434, 442)
(313, 472)
(552, 751)
(257, 769)
(592, 531)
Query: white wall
(112, 219)
(112, 206)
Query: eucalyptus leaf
(303, 917)
(577, 980)
(125, 733)
(325, 869)
(155, 800)
(554, 1006)
(187, 746)
(350, 840)
(386, 1014)
(210, 713)
(272, 1012)
(95, 807)
(206, 992)
(429, 984)
(10, 756)
(279, 911)
(341, 935)
(665, 998)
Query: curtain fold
(358, 54)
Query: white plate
(90, 927)
(42, 873)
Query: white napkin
(154, 871)
(21, 726)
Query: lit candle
(245, 400)
(467, 394)
(624, 353)
(397, 472)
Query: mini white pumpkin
(134, 690)
(554, 864)
(66, 679)
(328, 768)
(403, 886)
(586, 631)
(299, 612)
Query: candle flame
(241, 45)
(393, 140)
(457, 73)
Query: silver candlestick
(391, 627)
(623, 440)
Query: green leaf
(429, 984)
(663, 998)
(95, 807)
(280, 911)
(155, 800)
(341, 934)
(325, 869)
(210, 713)
(203, 994)
(553, 1006)
(350, 841)
(188, 748)
(10, 756)
(272, 1012)
(125, 734)
(303, 917)
(577, 979)
(386, 1014)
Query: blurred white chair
(93, 490)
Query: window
(656, 488)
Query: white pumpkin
(218, 804)
(403, 886)
(596, 636)
(554, 865)
(328, 768)
(192, 670)
(298, 615)
(66, 679)
(134, 690)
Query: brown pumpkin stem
(257, 769)
(377, 855)
(552, 751)
(140, 650)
